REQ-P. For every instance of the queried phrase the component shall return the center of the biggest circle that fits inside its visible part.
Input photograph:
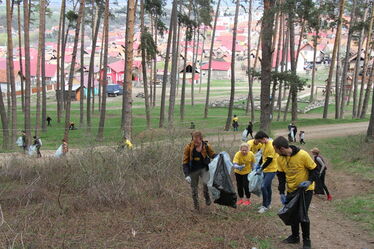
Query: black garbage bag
(223, 183)
(294, 211)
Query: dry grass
(105, 199)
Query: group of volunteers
(34, 148)
(62, 150)
(294, 167)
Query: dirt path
(329, 228)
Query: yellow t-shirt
(246, 160)
(236, 119)
(128, 144)
(296, 168)
(268, 151)
(253, 147)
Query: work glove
(283, 199)
(238, 167)
(304, 184)
(188, 179)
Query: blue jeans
(266, 188)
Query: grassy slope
(354, 156)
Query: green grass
(359, 209)
(112, 134)
(351, 154)
(354, 156)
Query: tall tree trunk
(127, 93)
(201, 59)
(370, 132)
(72, 68)
(100, 134)
(11, 78)
(337, 81)
(144, 67)
(81, 90)
(20, 54)
(26, 20)
(91, 67)
(174, 70)
(250, 92)
(206, 108)
(266, 38)
(183, 94)
(249, 40)
(101, 66)
(367, 94)
(283, 61)
(355, 111)
(195, 52)
(333, 59)
(277, 61)
(293, 87)
(300, 39)
(60, 38)
(38, 82)
(364, 72)
(166, 66)
(346, 59)
(233, 57)
(44, 90)
(315, 44)
(155, 68)
(4, 122)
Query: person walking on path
(321, 167)
(37, 143)
(49, 121)
(302, 137)
(297, 170)
(235, 123)
(250, 129)
(196, 158)
(268, 167)
(243, 164)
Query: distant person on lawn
(49, 121)
(250, 129)
(243, 163)
(321, 166)
(196, 158)
(297, 170)
(235, 123)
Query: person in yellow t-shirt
(235, 123)
(243, 163)
(297, 170)
(254, 145)
(268, 167)
(126, 143)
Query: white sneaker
(260, 207)
(263, 210)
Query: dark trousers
(195, 175)
(305, 226)
(249, 133)
(302, 141)
(322, 178)
(242, 185)
(266, 188)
